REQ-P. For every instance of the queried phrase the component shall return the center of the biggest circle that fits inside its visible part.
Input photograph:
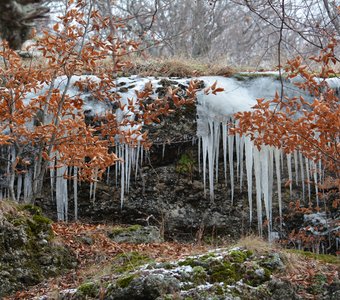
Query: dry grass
(256, 244)
(8, 207)
(176, 67)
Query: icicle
(211, 160)
(52, 179)
(315, 176)
(117, 169)
(141, 155)
(12, 175)
(65, 195)
(302, 176)
(199, 155)
(35, 171)
(231, 164)
(241, 161)
(296, 165)
(237, 146)
(59, 194)
(108, 175)
(91, 190)
(163, 150)
(205, 151)
(28, 186)
(277, 154)
(290, 176)
(137, 160)
(95, 185)
(321, 172)
(75, 192)
(257, 168)
(308, 178)
(129, 167)
(225, 149)
(19, 187)
(122, 185)
(126, 166)
(216, 141)
(249, 169)
(264, 162)
(270, 190)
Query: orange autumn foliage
(313, 128)
(52, 123)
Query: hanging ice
(215, 111)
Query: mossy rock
(28, 253)
(199, 275)
(142, 287)
(135, 234)
(238, 256)
(87, 290)
(123, 282)
(223, 271)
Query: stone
(145, 288)
(136, 234)
(27, 251)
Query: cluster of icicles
(264, 166)
(120, 174)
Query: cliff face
(28, 253)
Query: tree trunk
(17, 20)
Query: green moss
(238, 256)
(166, 265)
(119, 230)
(88, 289)
(32, 209)
(17, 221)
(40, 223)
(254, 279)
(185, 164)
(199, 275)
(327, 258)
(207, 257)
(125, 281)
(129, 261)
(225, 272)
(218, 290)
(188, 262)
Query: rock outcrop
(28, 253)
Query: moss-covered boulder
(143, 287)
(28, 253)
(220, 274)
(136, 234)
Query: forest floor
(95, 250)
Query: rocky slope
(253, 269)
